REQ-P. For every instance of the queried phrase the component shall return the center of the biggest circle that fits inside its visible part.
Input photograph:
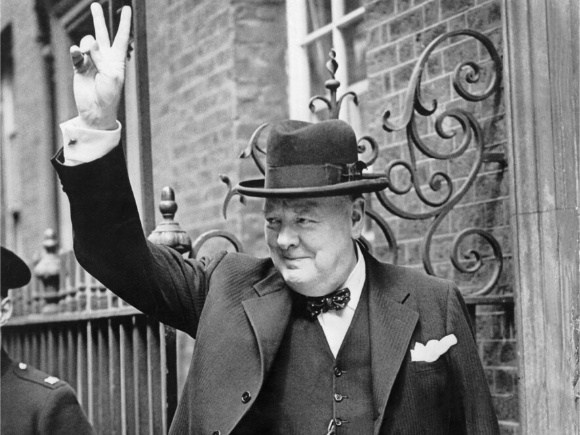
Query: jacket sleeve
(109, 243)
(62, 414)
(473, 411)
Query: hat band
(284, 177)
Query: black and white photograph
(290, 217)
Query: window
(314, 28)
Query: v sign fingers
(121, 42)
(100, 71)
(101, 32)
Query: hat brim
(256, 188)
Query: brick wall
(397, 33)
(192, 95)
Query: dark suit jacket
(33, 404)
(236, 306)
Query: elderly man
(33, 402)
(320, 337)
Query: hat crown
(15, 272)
(293, 143)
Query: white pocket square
(433, 349)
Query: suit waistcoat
(307, 387)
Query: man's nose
(287, 237)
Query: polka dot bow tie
(336, 300)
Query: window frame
(299, 86)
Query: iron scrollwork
(465, 74)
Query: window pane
(355, 41)
(319, 14)
(317, 57)
(351, 5)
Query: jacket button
(337, 372)
(216, 432)
(246, 396)
(338, 397)
(338, 421)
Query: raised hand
(99, 71)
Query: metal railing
(121, 363)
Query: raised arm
(108, 237)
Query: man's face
(311, 240)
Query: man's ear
(357, 217)
(5, 310)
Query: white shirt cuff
(83, 145)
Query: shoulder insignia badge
(51, 380)
(22, 366)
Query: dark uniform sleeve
(473, 411)
(110, 244)
(62, 414)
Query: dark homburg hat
(15, 272)
(312, 160)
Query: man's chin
(296, 279)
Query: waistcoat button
(337, 372)
(338, 397)
(216, 432)
(338, 421)
(246, 396)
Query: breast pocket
(423, 366)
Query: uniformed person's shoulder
(37, 402)
(24, 385)
(31, 374)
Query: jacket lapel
(269, 315)
(391, 328)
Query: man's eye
(304, 221)
(272, 221)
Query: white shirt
(83, 145)
(334, 323)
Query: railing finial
(168, 232)
(48, 272)
(333, 103)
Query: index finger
(101, 32)
(121, 41)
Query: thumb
(76, 57)
(81, 62)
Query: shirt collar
(356, 280)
